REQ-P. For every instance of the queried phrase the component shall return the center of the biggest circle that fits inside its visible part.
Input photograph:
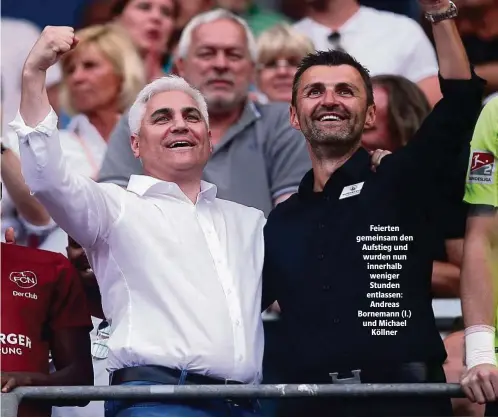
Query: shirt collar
(352, 171)
(146, 185)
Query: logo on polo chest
(24, 279)
(353, 190)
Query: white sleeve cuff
(47, 126)
(37, 229)
(480, 345)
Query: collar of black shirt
(355, 170)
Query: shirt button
(237, 322)
(326, 287)
(241, 358)
(321, 256)
(229, 291)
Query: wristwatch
(451, 13)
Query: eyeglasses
(276, 64)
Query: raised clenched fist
(53, 42)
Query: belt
(165, 376)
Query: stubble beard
(331, 144)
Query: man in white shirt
(178, 269)
(384, 42)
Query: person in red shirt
(43, 310)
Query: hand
(376, 157)
(434, 6)
(10, 236)
(52, 44)
(12, 380)
(480, 383)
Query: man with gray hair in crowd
(258, 159)
(179, 290)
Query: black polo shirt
(351, 266)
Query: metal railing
(10, 401)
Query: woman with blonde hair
(280, 49)
(101, 78)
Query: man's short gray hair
(212, 16)
(163, 84)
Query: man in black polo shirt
(348, 257)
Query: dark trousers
(182, 408)
(392, 406)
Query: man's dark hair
(332, 58)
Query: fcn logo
(24, 279)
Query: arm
(119, 163)
(448, 129)
(286, 157)
(478, 290)
(421, 64)
(84, 209)
(477, 286)
(432, 90)
(479, 270)
(27, 206)
(445, 280)
(446, 275)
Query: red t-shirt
(41, 292)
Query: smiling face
(331, 106)
(174, 139)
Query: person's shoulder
(32, 255)
(286, 210)
(384, 17)
(303, 24)
(491, 106)
(486, 129)
(273, 109)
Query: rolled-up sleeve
(84, 209)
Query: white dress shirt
(180, 282)
(383, 42)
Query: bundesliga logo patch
(482, 167)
